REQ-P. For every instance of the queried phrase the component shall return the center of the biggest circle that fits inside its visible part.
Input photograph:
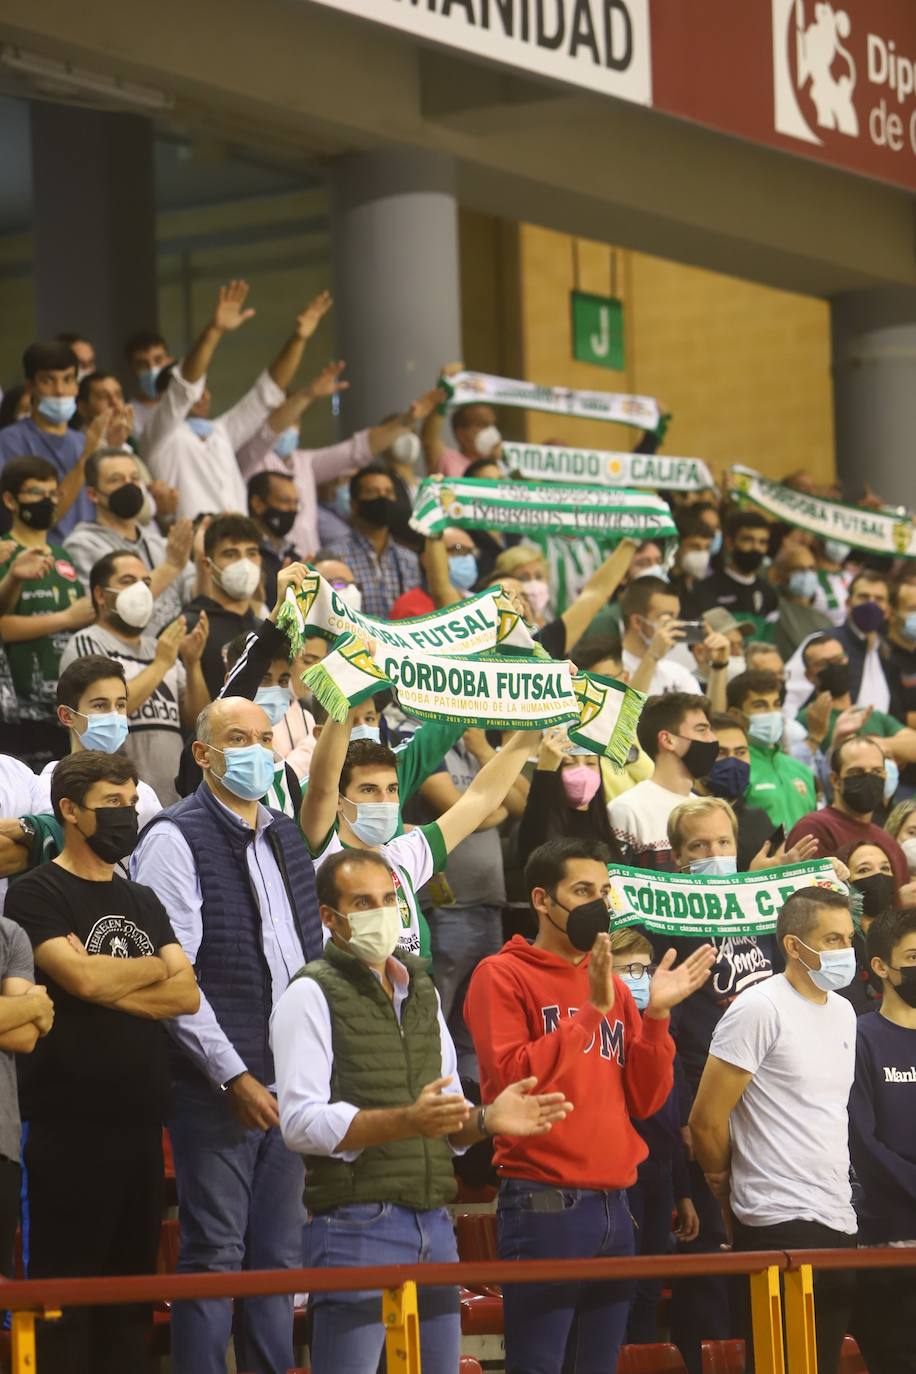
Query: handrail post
(766, 1315)
(402, 1329)
(23, 1341)
(801, 1346)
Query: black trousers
(92, 1206)
(884, 1322)
(834, 1289)
(9, 1215)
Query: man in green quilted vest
(369, 1095)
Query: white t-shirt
(790, 1130)
(20, 795)
(669, 676)
(639, 817)
(413, 859)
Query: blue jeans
(651, 1201)
(460, 937)
(539, 1317)
(347, 1331)
(239, 1207)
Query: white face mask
(538, 594)
(486, 440)
(352, 595)
(134, 605)
(736, 666)
(407, 448)
(909, 849)
(239, 579)
(695, 562)
(715, 864)
(374, 934)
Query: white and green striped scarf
(556, 463)
(875, 531)
(481, 388)
(539, 507)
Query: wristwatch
(29, 831)
(224, 1087)
(482, 1122)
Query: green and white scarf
(539, 507)
(702, 905)
(875, 531)
(492, 692)
(479, 388)
(480, 624)
(551, 463)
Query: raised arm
(97, 977)
(438, 582)
(485, 793)
(383, 435)
(230, 314)
(431, 433)
(284, 367)
(319, 805)
(598, 590)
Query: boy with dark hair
(882, 1121)
(780, 785)
(232, 556)
(738, 586)
(48, 606)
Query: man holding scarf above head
(554, 1010)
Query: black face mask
(116, 831)
(700, 756)
(877, 892)
(834, 678)
(906, 988)
(126, 501)
(38, 515)
(584, 923)
(863, 793)
(747, 561)
(379, 511)
(279, 522)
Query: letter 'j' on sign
(597, 330)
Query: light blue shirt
(300, 1037)
(164, 862)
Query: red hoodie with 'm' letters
(529, 1013)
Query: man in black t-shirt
(94, 1094)
(738, 586)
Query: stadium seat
(851, 1361)
(168, 1171)
(723, 1357)
(469, 1194)
(482, 1306)
(650, 1359)
(160, 1341)
(467, 1365)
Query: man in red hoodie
(554, 1009)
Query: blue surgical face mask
(57, 410)
(201, 427)
(767, 727)
(716, 545)
(105, 732)
(366, 732)
(376, 822)
(249, 770)
(716, 865)
(803, 582)
(640, 988)
(462, 570)
(287, 442)
(909, 625)
(146, 381)
(835, 551)
(891, 777)
(837, 970)
(275, 701)
(340, 502)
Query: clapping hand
(518, 1111)
(671, 985)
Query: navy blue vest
(231, 968)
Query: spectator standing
(769, 1124)
(566, 799)
(871, 875)
(474, 426)
(49, 603)
(729, 778)
(240, 889)
(232, 604)
(115, 486)
(794, 575)
(372, 1101)
(882, 1121)
(833, 579)
(554, 1010)
(674, 731)
(20, 793)
(780, 785)
(862, 636)
(146, 353)
(273, 505)
(738, 586)
(95, 1095)
(858, 776)
(650, 616)
(901, 642)
(383, 569)
(691, 561)
(50, 370)
(165, 685)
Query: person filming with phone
(650, 615)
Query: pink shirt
(454, 464)
(308, 469)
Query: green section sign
(597, 329)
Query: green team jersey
(35, 663)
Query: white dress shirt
(20, 795)
(300, 1037)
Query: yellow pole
(402, 1329)
(801, 1346)
(766, 1314)
(23, 1344)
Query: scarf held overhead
(553, 463)
(477, 625)
(875, 531)
(494, 692)
(539, 507)
(480, 388)
(698, 904)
